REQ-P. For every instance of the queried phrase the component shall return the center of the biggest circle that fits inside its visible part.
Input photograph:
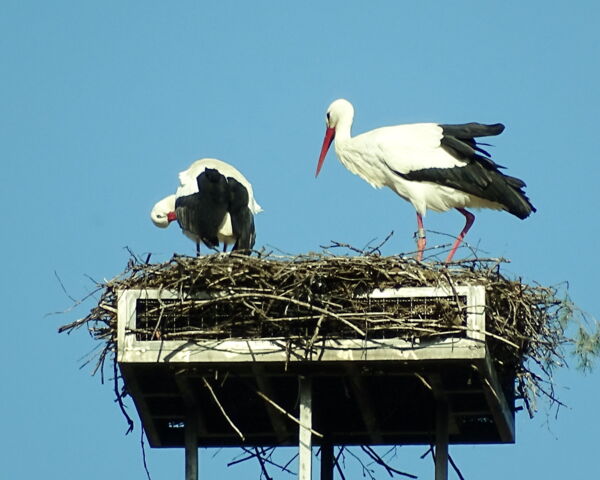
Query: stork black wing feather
(202, 213)
(472, 130)
(459, 141)
(475, 179)
(242, 221)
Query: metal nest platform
(375, 390)
(232, 350)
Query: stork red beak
(329, 136)
(171, 216)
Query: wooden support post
(326, 461)
(305, 443)
(441, 439)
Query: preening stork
(213, 204)
(435, 167)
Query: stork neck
(343, 130)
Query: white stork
(436, 167)
(214, 204)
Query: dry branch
(227, 417)
(287, 414)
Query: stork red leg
(421, 240)
(470, 218)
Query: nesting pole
(305, 437)
(326, 461)
(191, 447)
(441, 441)
(199, 378)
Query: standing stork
(435, 167)
(214, 204)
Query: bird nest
(306, 298)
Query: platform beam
(277, 422)
(361, 393)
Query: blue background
(102, 103)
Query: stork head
(340, 112)
(163, 212)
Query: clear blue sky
(102, 103)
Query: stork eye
(327, 116)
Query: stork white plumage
(435, 167)
(213, 204)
